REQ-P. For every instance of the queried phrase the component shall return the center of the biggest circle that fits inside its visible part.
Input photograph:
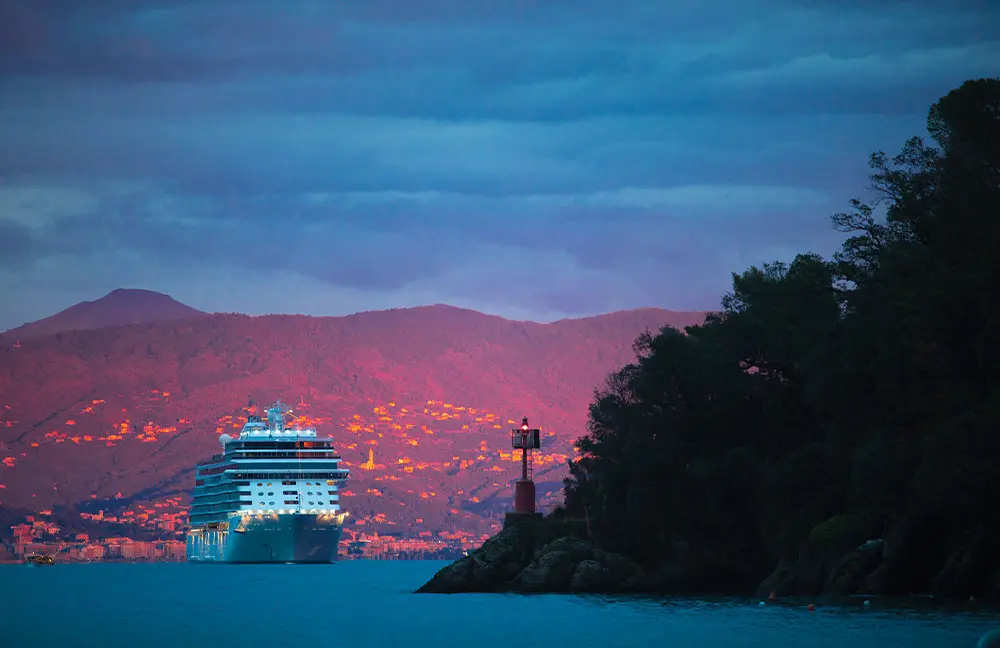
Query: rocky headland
(532, 554)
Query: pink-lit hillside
(419, 400)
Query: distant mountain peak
(121, 306)
(119, 294)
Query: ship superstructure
(272, 495)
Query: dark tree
(829, 402)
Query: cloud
(15, 243)
(916, 66)
(536, 159)
(39, 207)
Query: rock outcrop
(530, 556)
(915, 556)
(536, 555)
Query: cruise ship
(271, 496)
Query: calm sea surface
(358, 604)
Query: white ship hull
(268, 538)
(271, 496)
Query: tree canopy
(860, 388)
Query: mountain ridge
(98, 418)
(106, 311)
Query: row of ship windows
(292, 483)
(261, 493)
(282, 464)
(278, 445)
(212, 509)
(315, 454)
(216, 501)
(230, 488)
(207, 501)
(215, 508)
(328, 475)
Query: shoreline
(536, 555)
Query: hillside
(115, 419)
(117, 308)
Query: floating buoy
(761, 604)
(811, 608)
(867, 603)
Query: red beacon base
(524, 496)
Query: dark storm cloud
(531, 158)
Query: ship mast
(276, 416)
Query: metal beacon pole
(527, 439)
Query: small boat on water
(39, 559)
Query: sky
(535, 159)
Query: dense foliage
(837, 397)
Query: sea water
(357, 604)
